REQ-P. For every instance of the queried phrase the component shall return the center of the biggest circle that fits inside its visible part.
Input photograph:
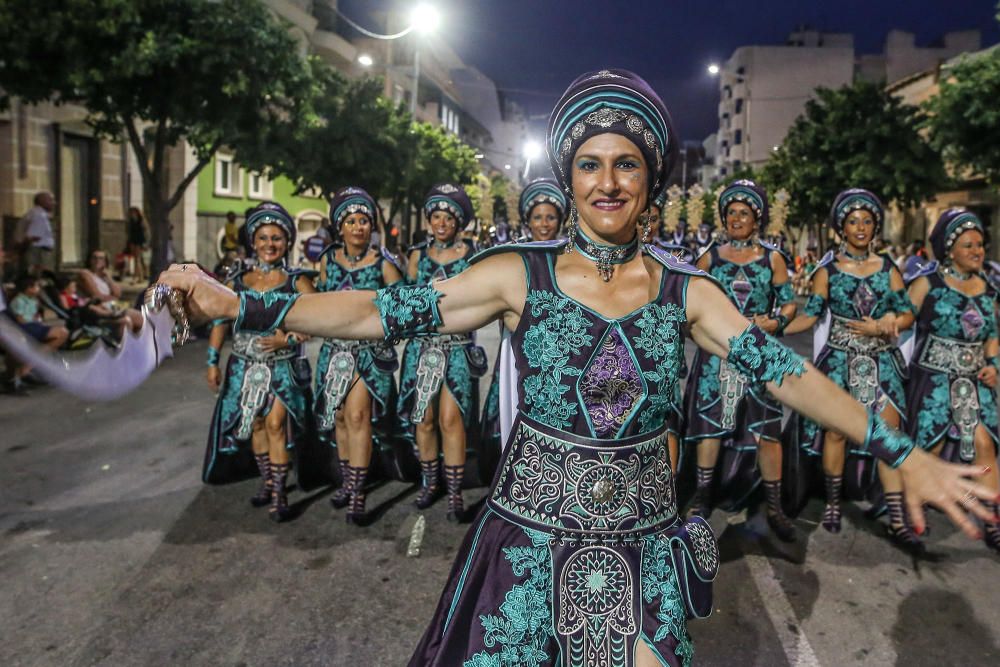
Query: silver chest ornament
(336, 382)
(430, 375)
(253, 395)
(964, 416)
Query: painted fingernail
(986, 469)
(919, 530)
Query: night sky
(534, 48)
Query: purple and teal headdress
(269, 213)
(541, 191)
(349, 201)
(746, 192)
(953, 223)
(661, 200)
(853, 200)
(451, 198)
(619, 102)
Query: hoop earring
(571, 228)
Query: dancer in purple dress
(579, 557)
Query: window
(722, 171)
(738, 137)
(259, 186)
(738, 108)
(728, 92)
(737, 163)
(227, 176)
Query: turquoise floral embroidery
(660, 340)
(458, 379)
(409, 310)
(708, 383)
(842, 289)
(523, 628)
(899, 302)
(784, 294)
(762, 358)
(886, 443)
(660, 581)
(815, 305)
(758, 276)
(934, 413)
(948, 306)
(548, 346)
(428, 269)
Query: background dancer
(264, 394)
(536, 578)
(866, 300)
(721, 405)
(953, 370)
(355, 377)
(438, 390)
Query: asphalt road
(114, 553)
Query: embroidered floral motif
(561, 332)
(610, 386)
(523, 628)
(408, 311)
(815, 305)
(784, 294)
(886, 443)
(660, 340)
(762, 358)
(748, 286)
(660, 581)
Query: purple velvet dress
(579, 552)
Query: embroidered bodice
(429, 270)
(750, 286)
(948, 313)
(856, 297)
(591, 375)
(337, 278)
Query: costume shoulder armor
(531, 246)
(711, 244)
(391, 258)
(825, 260)
(297, 273)
(774, 248)
(672, 263)
(922, 270)
(419, 246)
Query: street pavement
(114, 553)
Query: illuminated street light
(713, 69)
(425, 18)
(532, 151)
(506, 166)
(365, 60)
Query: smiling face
(356, 229)
(968, 252)
(270, 243)
(741, 223)
(859, 229)
(444, 226)
(610, 181)
(543, 220)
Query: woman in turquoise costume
(438, 387)
(864, 295)
(578, 557)
(951, 396)
(355, 395)
(542, 207)
(264, 396)
(721, 405)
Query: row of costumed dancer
(580, 555)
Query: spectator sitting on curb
(26, 311)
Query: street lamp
(365, 60)
(424, 19)
(532, 151)
(713, 69)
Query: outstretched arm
(716, 326)
(464, 303)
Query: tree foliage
(965, 118)
(213, 72)
(854, 136)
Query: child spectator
(26, 311)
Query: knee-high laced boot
(991, 533)
(701, 504)
(776, 519)
(263, 495)
(899, 530)
(430, 483)
(342, 496)
(831, 515)
(453, 480)
(279, 510)
(356, 509)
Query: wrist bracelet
(213, 356)
(291, 340)
(886, 443)
(263, 313)
(782, 321)
(994, 362)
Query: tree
(855, 136)
(965, 119)
(155, 72)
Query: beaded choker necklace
(444, 245)
(266, 268)
(851, 256)
(738, 244)
(354, 259)
(956, 274)
(606, 256)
